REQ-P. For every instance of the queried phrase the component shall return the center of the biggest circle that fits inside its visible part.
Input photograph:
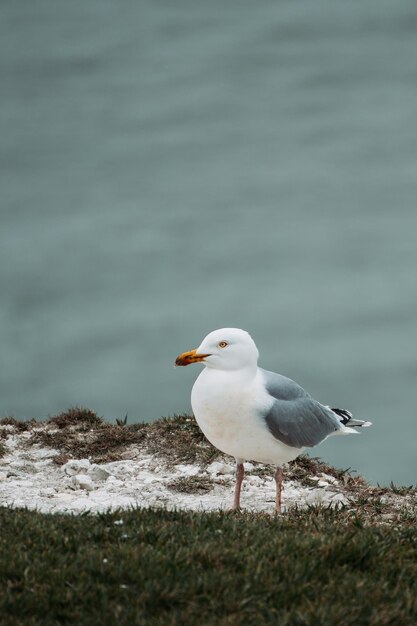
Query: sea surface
(172, 168)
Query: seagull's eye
(223, 344)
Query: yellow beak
(186, 358)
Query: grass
(316, 567)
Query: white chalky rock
(339, 498)
(218, 467)
(187, 470)
(122, 502)
(323, 483)
(115, 482)
(98, 473)
(63, 496)
(47, 492)
(12, 442)
(82, 481)
(80, 504)
(324, 498)
(329, 478)
(23, 466)
(42, 453)
(76, 466)
(15, 473)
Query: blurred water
(168, 169)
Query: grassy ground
(316, 567)
(349, 567)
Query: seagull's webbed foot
(240, 472)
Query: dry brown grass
(192, 484)
(81, 433)
(178, 439)
(304, 467)
(78, 417)
(19, 426)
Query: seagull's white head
(224, 349)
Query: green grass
(318, 567)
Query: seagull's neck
(243, 375)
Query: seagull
(253, 414)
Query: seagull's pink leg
(278, 479)
(240, 472)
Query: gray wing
(295, 418)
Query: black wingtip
(345, 416)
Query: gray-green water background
(169, 168)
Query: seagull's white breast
(228, 407)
